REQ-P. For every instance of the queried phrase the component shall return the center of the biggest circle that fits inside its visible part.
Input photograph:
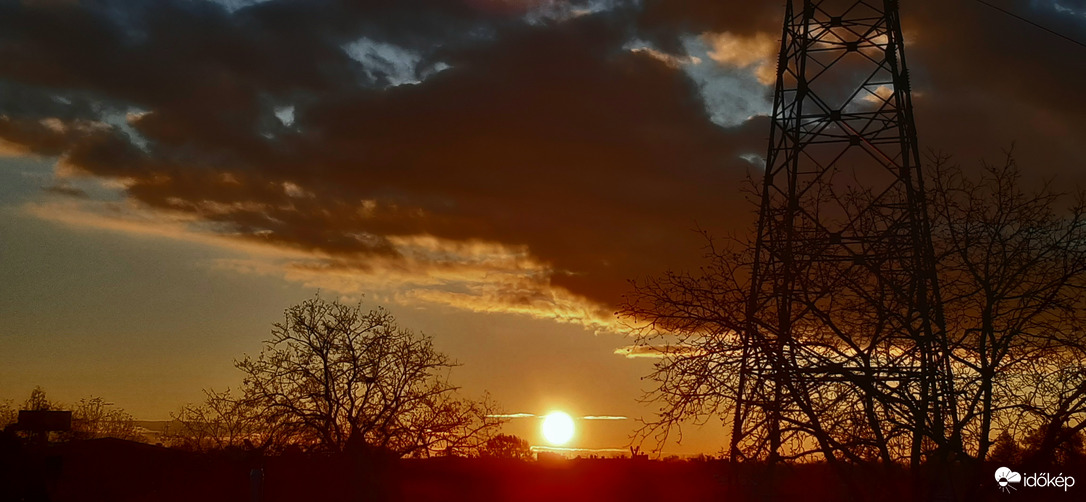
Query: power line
(1020, 18)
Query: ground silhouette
(118, 471)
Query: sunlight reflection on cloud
(655, 351)
(475, 276)
(733, 89)
(586, 417)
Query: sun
(557, 428)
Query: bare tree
(857, 378)
(829, 405)
(1012, 267)
(692, 323)
(1044, 402)
(94, 418)
(38, 401)
(340, 378)
(224, 421)
(1052, 444)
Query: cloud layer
(526, 157)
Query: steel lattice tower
(843, 258)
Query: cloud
(422, 272)
(548, 162)
(669, 18)
(13, 149)
(579, 450)
(513, 415)
(385, 64)
(732, 94)
(548, 11)
(756, 52)
(133, 219)
(532, 415)
(535, 299)
(66, 190)
(879, 95)
(655, 351)
(671, 60)
(233, 5)
(574, 184)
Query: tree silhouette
(852, 383)
(335, 377)
(1006, 450)
(224, 421)
(93, 418)
(1054, 445)
(1012, 269)
(507, 446)
(37, 401)
(8, 414)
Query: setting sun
(557, 428)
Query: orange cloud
(755, 52)
(655, 351)
(670, 60)
(10, 149)
(472, 275)
(879, 96)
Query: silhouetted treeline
(92, 417)
(120, 471)
(860, 377)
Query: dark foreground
(118, 471)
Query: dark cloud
(557, 139)
(983, 78)
(664, 20)
(550, 136)
(989, 80)
(67, 191)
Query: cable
(1020, 18)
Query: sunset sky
(175, 173)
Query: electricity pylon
(843, 288)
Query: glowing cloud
(655, 351)
(471, 275)
(755, 52)
(513, 415)
(670, 60)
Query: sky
(175, 173)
